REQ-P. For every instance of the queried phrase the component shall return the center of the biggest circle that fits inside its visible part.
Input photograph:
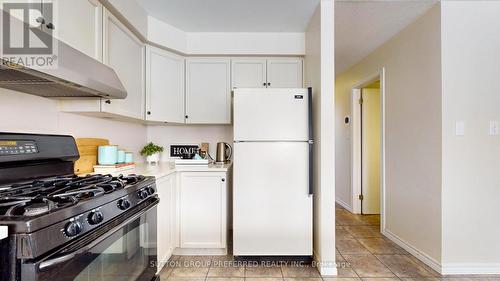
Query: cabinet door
(248, 73)
(164, 86)
(125, 54)
(284, 73)
(203, 199)
(208, 90)
(79, 24)
(166, 217)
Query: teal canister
(121, 156)
(129, 157)
(107, 155)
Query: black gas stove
(67, 227)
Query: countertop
(166, 168)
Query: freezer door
(271, 114)
(272, 208)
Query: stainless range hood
(76, 75)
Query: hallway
(363, 252)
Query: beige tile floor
(363, 254)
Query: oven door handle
(62, 259)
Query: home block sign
(180, 149)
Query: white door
(166, 218)
(164, 86)
(78, 23)
(272, 209)
(270, 114)
(125, 54)
(203, 199)
(208, 91)
(370, 154)
(284, 73)
(248, 73)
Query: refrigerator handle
(311, 141)
(311, 166)
(310, 113)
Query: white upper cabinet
(164, 86)
(208, 91)
(125, 54)
(248, 73)
(284, 73)
(78, 23)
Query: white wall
(225, 43)
(164, 34)
(166, 135)
(133, 12)
(24, 113)
(471, 93)
(319, 74)
(246, 43)
(412, 62)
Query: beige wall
(371, 150)
(26, 113)
(319, 74)
(412, 62)
(471, 93)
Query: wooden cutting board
(87, 147)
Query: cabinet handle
(108, 101)
(149, 112)
(264, 84)
(223, 180)
(186, 116)
(50, 25)
(268, 83)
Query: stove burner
(38, 206)
(43, 196)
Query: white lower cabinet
(203, 210)
(192, 214)
(167, 221)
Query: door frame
(356, 163)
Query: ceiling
(362, 26)
(233, 15)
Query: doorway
(367, 147)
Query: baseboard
(344, 204)
(423, 257)
(200, 252)
(325, 270)
(470, 268)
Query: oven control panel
(16, 147)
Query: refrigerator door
(272, 208)
(271, 115)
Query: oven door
(123, 249)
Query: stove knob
(143, 194)
(73, 228)
(123, 204)
(151, 190)
(95, 217)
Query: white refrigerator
(273, 166)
